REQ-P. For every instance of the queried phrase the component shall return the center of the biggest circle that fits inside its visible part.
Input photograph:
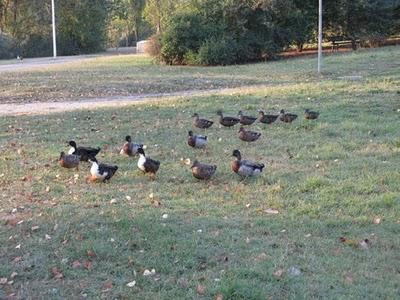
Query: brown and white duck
(311, 115)
(130, 148)
(201, 123)
(246, 120)
(248, 135)
(146, 164)
(69, 161)
(101, 172)
(227, 121)
(83, 152)
(245, 168)
(266, 119)
(203, 171)
(196, 141)
(287, 117)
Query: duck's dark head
(219, 113)
(190, 133)
(306, 110)
(240, 113)
(72, 144)
(261, 113)
(128, 138)
(92, 160)
(140, 151)
(62, 154)
(282, 111)
(195, 115)
(241, 129)
(236, 153)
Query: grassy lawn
(219, 240)
(131, 75)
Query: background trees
(190, 31)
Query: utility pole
(319, 36)
(53, 17)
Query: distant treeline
(206, 32)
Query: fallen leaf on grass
(87, 264)
(278, 273)
(76, 264)
(11, 220)
(34, 228)
(262, 256)
(57, 274)
(107, 285)
(131, 284)
(348, 277)
(91, 254)
(3, 280)
(271, 211)
(219, 297)
(17, 259)
(201, 289)
(377, 220)
(13, 274)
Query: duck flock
(245, 168)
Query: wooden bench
(343, 41)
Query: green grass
(343, 174)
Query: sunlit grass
(343, 174)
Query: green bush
(218, 51)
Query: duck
(68, 161)
(245, 168)
(83, 152)
(196, 141)
(101, 172)
(311, 115)
(266, 119)
(286, 117)
(227, 121)
(246, 120)
(201, 123)
(202, 171)
(146, 164)
(130, 148)
(248, 135)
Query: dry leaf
(17, 259)
(3, 280)
(76, 264)
(262, 256)
(13, 274)
(108, 285)
(271, 211)
(34, 228)
(278, 273)
(348, 277)
(91, 254)
(87, 264)
(201, 289)
(57, 274)
(219, 297)
(377, 220)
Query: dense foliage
(204, 32)
(235, 31)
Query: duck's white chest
(94, 170)
(71, 150)
(141, 162)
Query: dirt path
(43, 108)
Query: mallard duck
(266, 119)
(203, 171)
(311, 115)
(130, 148)
(196, 141)
(101, 172)
(248, 135)
(227, 121)
(246, 120)
(245, 168)
(83, 152)
(286, 117)
(146, 164)
(201, 123)
(69, 161)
